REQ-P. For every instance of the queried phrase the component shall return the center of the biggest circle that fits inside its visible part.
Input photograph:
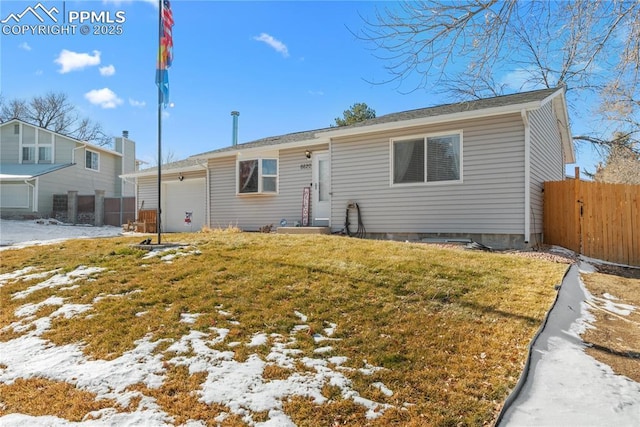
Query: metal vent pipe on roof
(234, 135)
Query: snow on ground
(239, 386)
(566, 387)
(17, 234)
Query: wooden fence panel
(596, 219)
(561, 213)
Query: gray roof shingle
(439, 110)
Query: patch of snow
(383, 388)
(31, 309)
(16, 234)
(81, 272)
(321, 350)
(331, 329)
(301, 316)
(258, 340)
(189, 318)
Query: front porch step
(304, 230)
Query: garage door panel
(179, 198)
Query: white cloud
(105, 98)
(107, 71)
(71, 61)
(135, 103)
(274, 43)
(24, 46)
(315, 92)
(522, 79)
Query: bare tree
(55, 112)
(477, 48)
(622, 164)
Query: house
(36, 164)
(471, 170)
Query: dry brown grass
(450, 327)
(39, 396)
(615, 339)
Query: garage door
(181, 197)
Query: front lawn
(243, 329)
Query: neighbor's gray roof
(15, 171)
(439, 110)
(180, 165)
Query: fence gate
(598, 220)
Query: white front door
(321, 189)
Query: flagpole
(160, 100)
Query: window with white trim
(258, 176)
(44, 154)
(28, 154)
(430, 158)
(92, 160)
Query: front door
(321, 189)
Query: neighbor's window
(433, 158)
(28, 154)
(258, 176)
(92, 160)
(44, 154)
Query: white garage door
(181, 197)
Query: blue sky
(285, 66)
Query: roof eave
(262, 148)
(154, 172)
(463, 115)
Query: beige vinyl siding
(10, 144)
(28, 134)
(147, 197)
(77, 178)
(490, 198)
(63, 151)
(250, 212)
(547, 163)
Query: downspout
(34, 191)
(207, 191)
(527, 176)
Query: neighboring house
(36, 163)
(471, 170)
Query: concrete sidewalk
(561, 384)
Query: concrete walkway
(562, 385)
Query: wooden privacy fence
(595, 219)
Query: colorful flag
(165, 51)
